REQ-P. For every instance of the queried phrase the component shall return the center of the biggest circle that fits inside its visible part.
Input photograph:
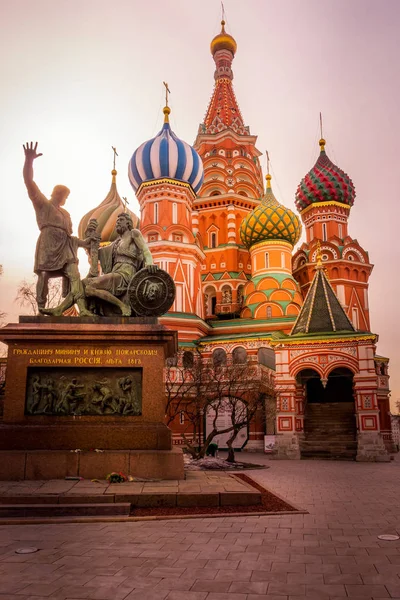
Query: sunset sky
(80, 76)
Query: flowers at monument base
(115, 477)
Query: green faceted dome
(270, 221)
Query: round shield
(151, 294)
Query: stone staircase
(329, 431)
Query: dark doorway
(329, 418)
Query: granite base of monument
(86, 397)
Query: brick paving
(331, 553)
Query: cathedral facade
(243, 293)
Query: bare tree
(26, 295)
(212, 389)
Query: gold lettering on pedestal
(85, 356)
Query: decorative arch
(342, 362)
(210, 300)
(325, 248)
(280, 296)
(299, 261)
(305, 363)
(292, 310)
(289, 284)
(262, 310)
(268, 283)
(349, 251)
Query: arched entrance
(330, 430)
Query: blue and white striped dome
(166, 156)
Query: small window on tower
(283, 260)
(267, 260)
(213, 240)
(155, 213)
(174, 213)
(340, 227)
(324, 232)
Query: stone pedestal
(371, 447)
(106, 403)
(287, 446)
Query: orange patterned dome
(223, 41)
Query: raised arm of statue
(34, 192)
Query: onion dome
(107, 213)
(166, 156)
(270, 221)
(325, 183)
(223, 41)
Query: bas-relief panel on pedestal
(84, 391)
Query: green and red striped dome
(325, 183)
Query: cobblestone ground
(332, 552)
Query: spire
(114, 172)
(268, 176)
(321, 141)
(321, 311)
(166, 109)
(223, 111)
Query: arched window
(188, 359)
(215, 193)
(324, 232)
(174, 213)
(219, 357)
(155, 213)
(213, 240)
(172, 361)
(239, 356)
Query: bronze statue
(56, 249)
(119, 261)
(130, 283)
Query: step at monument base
(58, 464)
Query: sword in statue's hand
(91, 233)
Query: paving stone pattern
(331, 553)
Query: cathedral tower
(231, 188)
(270, 231)
(324, 199)
(166, 173)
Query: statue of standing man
(56, 249)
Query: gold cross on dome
(115, 154)
(167, 91)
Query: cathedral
(244, 295)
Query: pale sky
(80, 76)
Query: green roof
(321, 311)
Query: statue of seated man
(119, 261)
